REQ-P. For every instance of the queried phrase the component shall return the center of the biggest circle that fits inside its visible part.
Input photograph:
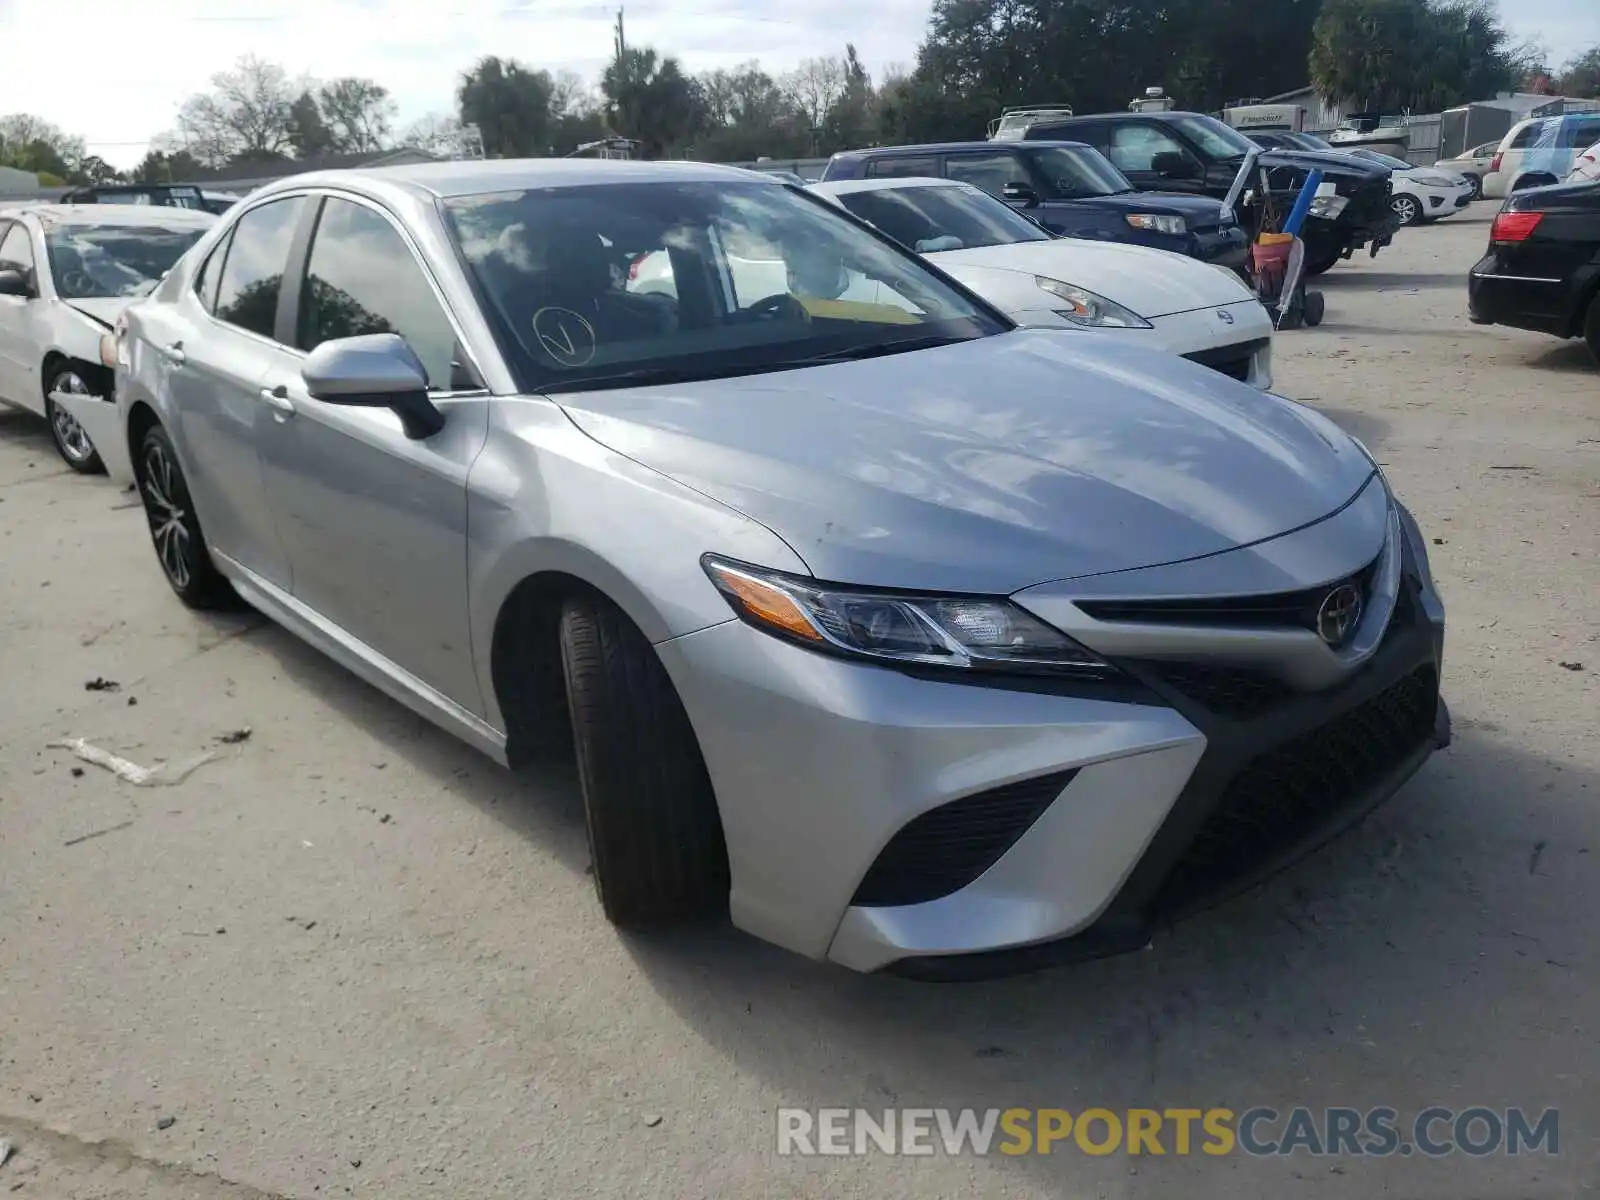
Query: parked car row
(910, 637)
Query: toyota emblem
(1224, 316)
(1339, 614)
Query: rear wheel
(72, 443)
(654, 833)
(174, 526)
(1591, 328)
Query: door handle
(277, 399)
(174, 354)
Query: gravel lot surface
(350, 957)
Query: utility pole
(619, 71)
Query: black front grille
(1284, 796)
(1233, 361)
(946, 848)
(1272, 610)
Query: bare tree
(248, 113)
(571, 96)
(438, 134)
(359, 114)
(815, 86)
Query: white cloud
(136, 69)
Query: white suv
(1539, 151)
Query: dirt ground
(351, 957)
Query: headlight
(969, 633)
(1157, 223)
(1438, 181)
(1329, 207)
(1090, 310)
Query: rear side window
(1577, 135)
(903, 168)
(1526, 136)
(252, 272)
(363, 278)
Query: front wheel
(1476, 184)
(654, 833)
(1406, 209)
(175, 527)
(72, 443)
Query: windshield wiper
(874, 350)
(645, 377)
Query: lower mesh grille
(1287, 793)
(946, 848)
(1234, 692)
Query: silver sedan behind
(910, 638)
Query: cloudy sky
(136, 69)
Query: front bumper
(1235, 339)
(853, 797)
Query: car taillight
(633, 267)
(1494, 163)
(1514, 226)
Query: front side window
(921, 166)
(930, 219)
(362, 277)
(252, 272)
(991, 172)
(1134, 146)
(99, 261)
(16, 248)
(1078, 174)
(619, 284)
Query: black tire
(72, 443)
(1315, 306)
(1591, 328)
(175, 528)
(654, 834)
(1323, 263)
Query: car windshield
(629, 284)
(1388, 160)
(1077, 174)
(1213, 137)
(947, 217)
(97, 261)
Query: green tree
(651, 100)
(1423, 54)
(1581, 76)
(510, 104)
(163, 166)
(30, 143)
(309, 134)
(745, 115)
(851, 122)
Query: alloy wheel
(163, 505)
(74, 442)
(1405, 208)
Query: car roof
(945, 147)
(481, 176)
(152, 215)
(844, 187)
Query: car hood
(994, 464)
(1153, 283)
(104, 309)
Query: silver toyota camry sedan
(908, 638)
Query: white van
(1538, 151)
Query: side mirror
(1020, 193)
(375, 370)
(15, 283)
(1173, 164)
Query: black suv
(1194, 153)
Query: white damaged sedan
(1204, 313)
(67, 272)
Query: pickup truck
(1199, 155)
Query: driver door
(373, 522)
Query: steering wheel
(778, 306)
(78, 283)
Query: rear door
(225, 341)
